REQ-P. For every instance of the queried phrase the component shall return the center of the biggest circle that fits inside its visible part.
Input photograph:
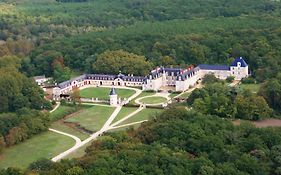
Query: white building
(177, 78)
(41, 80)
(183, 79)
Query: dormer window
(239, 64)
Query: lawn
(67, 129)
(92, 118)
(185, 95)
(45, 145)
(145, 114)
(153, 100)
(124, 112)
(103, 93)
(251, 87)
(61, 112)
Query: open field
(251, 87)
(92, 118)
(45, 145)
(143, 115)
(153, 100)
(61, 112)
(103, 93)
(124, 112)
(67, 129)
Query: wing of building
(179, 78)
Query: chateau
(177, 78)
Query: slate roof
(188, 73)
(213, 67)
(241, 60)
(112, 91)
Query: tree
(252, 108)
(112, 62)
(75, 96)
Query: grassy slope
(251, 87)
(124, 112)
(143, 115)
(46, 145)
(92, 118)
(64, 128)
(103, 93)
(61, 112)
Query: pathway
(164, 95)
(56, 107)
(129, 124)
(108, 126)
(105, 127)
(77, 140)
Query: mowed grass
(124, 112)
(45, 145)
(61, 112)
(153, 100)
(92, 118)
(103, 93)
(254, 88)
(145, 114)
(67, 129)
(185, 95)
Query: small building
(113, 98)
(41, 80)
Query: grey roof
(213, 67)
(187, 74)
(68, 82)
(241, 60)
(112, 91)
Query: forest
(62, 38)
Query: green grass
(61, 112)
(185, 95)
(79, 152)
(64, 128)
(92, 118)
(251, 87)
(103, 93)
(124, 112)
(145, 114)
(153, 100)
(45, 145)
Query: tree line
(217, 98)
(21, 101)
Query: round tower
(113, 99)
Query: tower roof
(241, 60)
(112, 91)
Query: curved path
(155, 95)
(56, 107)
(105, 127)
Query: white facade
(183, 79)
(180, 79)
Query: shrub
(230, 79)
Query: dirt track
(263, 123)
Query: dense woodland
(63, 37)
